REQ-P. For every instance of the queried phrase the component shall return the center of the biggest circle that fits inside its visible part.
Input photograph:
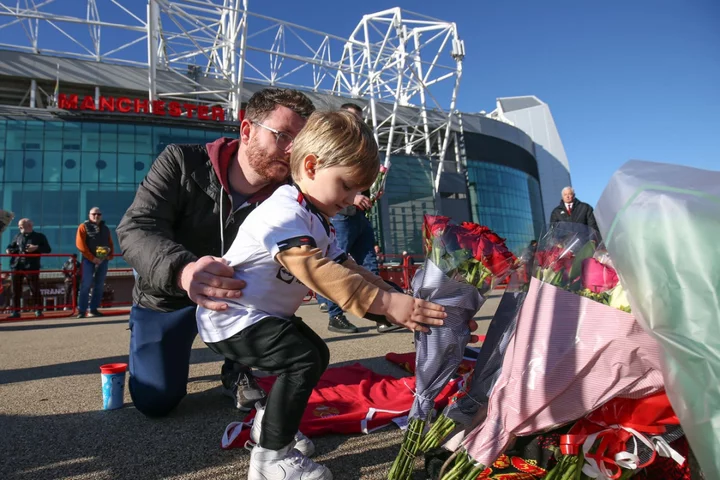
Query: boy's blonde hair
(337, 139)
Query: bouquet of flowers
(6, 219)
(570, 354)
(570, 258)
(660, 224)
(102, 252)
(460, 415)
(379, 184)
(462, 263)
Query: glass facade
(53, 172)
(408, 195)
(506, 200)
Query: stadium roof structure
(404, 67)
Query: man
(27, 241)
(355, 235)
(573, 210)
(72, 271)
(94, 241)
(185, 214)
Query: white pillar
(33, 92)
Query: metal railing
(51, 292)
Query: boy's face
(330, 189)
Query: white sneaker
(284, 464)
(302, 443)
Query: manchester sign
(127, 105)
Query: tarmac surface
(52, 424)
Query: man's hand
(412, 313)
(473, 325)
(210, 277)
(31, 248)
(96, 261)
(362, 202)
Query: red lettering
(189, 107)
(218, 114)
(174, 109)
(68, 103)
(88, 103)
(124, 105)
(203, 111)
(107, 103)
(142, 106)
(158, 107)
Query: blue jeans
(354, 235)
(160, 346)
(92, 276)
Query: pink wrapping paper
(569, 355)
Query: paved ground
(52, 425)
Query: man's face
(95, 215)
(264, 156)
(568, 196)
(25, 227)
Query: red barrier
(53, 285)
(39, 280)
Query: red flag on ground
(351, 399)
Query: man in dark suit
(573, 210)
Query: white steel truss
(407, 67)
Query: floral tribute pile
(463, 262)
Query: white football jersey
(285, 220)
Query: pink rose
(597, 277)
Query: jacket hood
(221, 153)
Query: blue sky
(624, 79)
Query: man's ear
(245, 131)
(310, 166)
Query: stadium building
(92, 91)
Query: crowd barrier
(58, 289)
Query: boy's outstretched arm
(354, 293)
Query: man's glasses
(282, 140)
(96, 214)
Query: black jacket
(175, 219)
(19, 245)
(581, 213)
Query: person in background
(27, 241)
(379, 257)
(71, 268)
(94, 241)
(573, 210)
(355, 236)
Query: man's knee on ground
(152, 402)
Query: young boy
(285, 247)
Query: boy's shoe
(284, 464)
(340, 324)
(302, 443)
(243, 389)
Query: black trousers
(33, 281)
(292, 351)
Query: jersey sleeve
(282, 225)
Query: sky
(624, 79)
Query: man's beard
(265, 165)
